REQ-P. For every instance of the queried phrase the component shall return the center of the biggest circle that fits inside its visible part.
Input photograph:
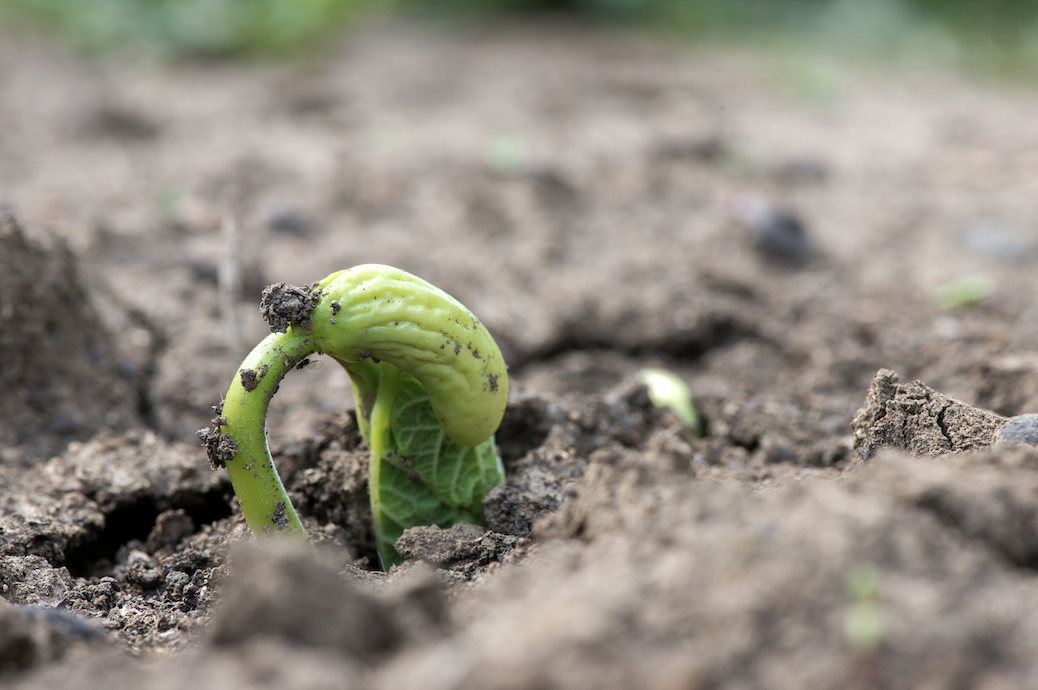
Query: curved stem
(262, 496)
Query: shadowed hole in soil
(750, 442)
(721, 331)
(715, 331)
(524, 427)
(135, 521)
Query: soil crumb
(220, 448)
(284, 305)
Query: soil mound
(59, 370)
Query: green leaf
(459, 476)
(420, 476)
(406, 502)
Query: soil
(775, 229)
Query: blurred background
(999, 34)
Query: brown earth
(593, 197)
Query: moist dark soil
(778, 230)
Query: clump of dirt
(274, 594)
(916, 418)
(60, 378)
(461, 550)
(220, 448)
(284, 305)
(34, 636)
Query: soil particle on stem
(284, 305)
(220, 448)
(250, 379)
(280, 519)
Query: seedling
(966, 291)
(666, 389)
(507, 155)
(430, 387)
(863, 625)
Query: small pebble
(1020, 429)
(784, 237)
(777, 233)
(289, 221)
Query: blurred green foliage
(996, 28)
(190, 27)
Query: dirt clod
(284, 305)
(291, 595)
(462, 547)
(32, 636)
(170, 529)
(220, 448)
(916, 418)
(249, 379)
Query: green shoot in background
(667, 389)
(965, 292)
